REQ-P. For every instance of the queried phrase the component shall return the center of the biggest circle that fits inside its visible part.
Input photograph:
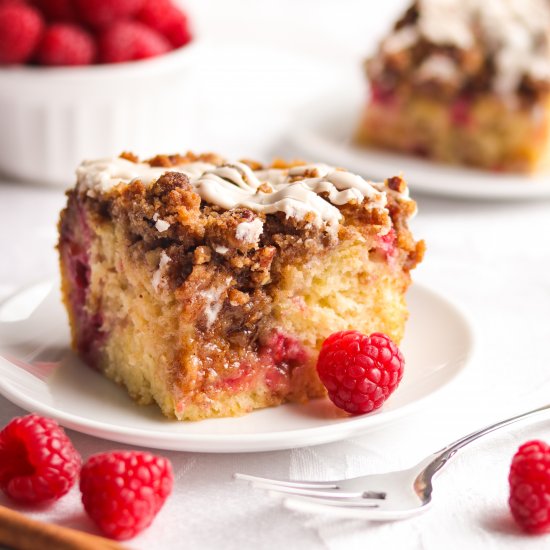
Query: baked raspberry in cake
(208, 287)
(464, 82)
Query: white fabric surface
(491, 258)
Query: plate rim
(305, 135)
(247, 442)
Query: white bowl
(53, 118)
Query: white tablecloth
(491, 258)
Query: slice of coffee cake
(208, 287)
(464, 82)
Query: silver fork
(387, 496)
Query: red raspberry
(37, 460)
(57, 10)
(387, 244)
(359, 371)
(167, 19)
(66, 44)
(129, 41)
(20, 29)
(101, 13)
(530, 487)
(123, 491)
(461, 112)
(282, 350)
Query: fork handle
(440, 458)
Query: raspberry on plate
(130, 41)
(122, 491)
(20, 29)
(530, 487)
(167, 19)
(66, 44)
(100, 13)
(38, 462)
(359, 371)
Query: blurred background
(236, 88)
(265, 59)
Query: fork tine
(331, 501)
(285, 483)
(329, 493)
(364, 512)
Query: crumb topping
(469, 45)
(168, 219)
(310, 193)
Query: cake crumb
(202, 255)
(397, 183)
(129, 156)
(265, 187)
(238, 298)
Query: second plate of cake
(324, 129)
(39, 373)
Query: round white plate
(323, 132)
(39, 373)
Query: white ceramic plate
(323, 133)
(39, 373)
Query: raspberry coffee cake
(208, 287)
(464, 82)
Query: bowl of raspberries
(87, 78)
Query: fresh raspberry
(37, 460)
(101, 13)
(359, 371)
(57, 10)
(129, 41)
(167, 19)
(123, 491)
(20, 29)
(66, 44)
(530, 487)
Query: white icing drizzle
(401, 40)
(438, 67)
(237, 185)
(516, 33)
(158, 275)
(220, 249)
(250, 232)
(213, 304)
(162, 225)
(447, 21)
